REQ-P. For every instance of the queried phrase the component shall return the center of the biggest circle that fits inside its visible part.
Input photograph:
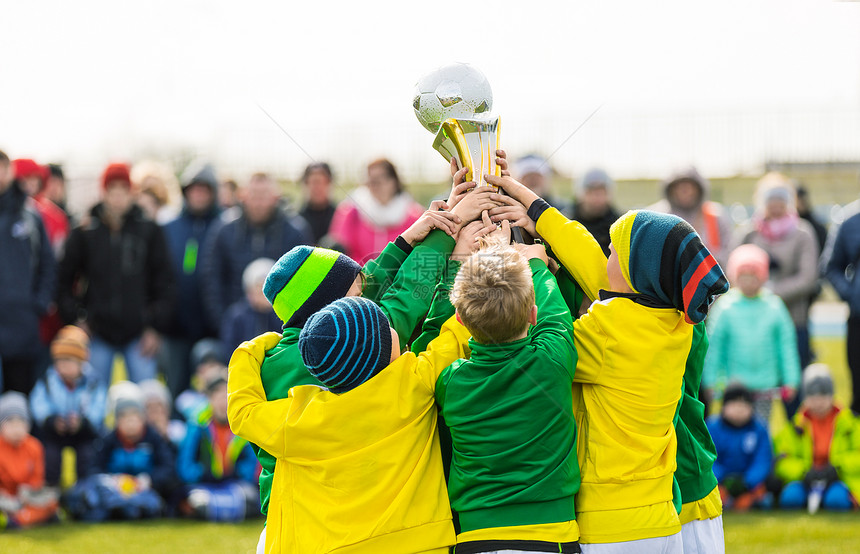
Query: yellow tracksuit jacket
(358, 472)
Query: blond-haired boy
(509, 407)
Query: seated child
(744, 452)
(514, 471)
(358, 459)
(134, 470)
(251, 316)
(24, 499)
(207, 361)
(633, 346)
(68, 404)
(218, 468)
(159, 405)
(818, 451)
(752, 336)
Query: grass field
(758, 533)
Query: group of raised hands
(473, 213)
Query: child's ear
(533, 316)
(457, 315)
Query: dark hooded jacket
(120, 282)
(27, 275)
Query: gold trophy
(455, 102)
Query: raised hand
(511, 210)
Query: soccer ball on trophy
(458, 91)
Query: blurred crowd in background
(116, 326)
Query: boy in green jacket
(514, 472)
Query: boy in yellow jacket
(359, 467)
(633, 345)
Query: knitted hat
(129, 403)
(748, 257)
(116, 172)
(25, 167)
(775, 186)
(532, 164)
(155, 390)
(71, 342)
(817, 380)
(737, 391)
(594, 177)
(346, 343)
(13, 404)
(307, 279)
(206, 350)
(662, 256)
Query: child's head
(494, 295)
(216, 393)
(252, 282)
(818, 389)
(749, 269)
(737, 405)
(206, 360)
(307, 279)
(14, 417)
(157, 402)
(662, 257)
(130, 418)
(348, 342)
(70, 349)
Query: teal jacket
(510, 411)
(752, 341)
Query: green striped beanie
(306, 280)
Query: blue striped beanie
(305, 280)
(663, 257)
(346, 343)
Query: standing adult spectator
(318, 210)
(27, 281)
(262, 230)
(115, 281)
(535, 172)
(186, 237)
(686, 195)
(55, 187)
(790, 243)
(841, 260)
(374, 214)
(32, 178)
(593, 207)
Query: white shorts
(704, 536)
(261, 544)
(658, 545)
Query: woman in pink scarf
(374, 214)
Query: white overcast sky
(91, 80)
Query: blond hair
(493, 294)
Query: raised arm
(451, 345)
(554, 329)
(250, 415)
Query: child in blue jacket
(744, 451)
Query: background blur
(732, 87)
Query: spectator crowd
(167, 274)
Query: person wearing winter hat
(659, 279)
(752, 336)
(593, 207)
(23, 499)
(32, 177)
(793, 250)
(354, 469)
(129, 299)
(744, 452)
(68, 404)
(817, 449)
(401, 279)
(686, 194)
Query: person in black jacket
(319, 207)
(27, 280)
(593, 207)
(115, 281)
